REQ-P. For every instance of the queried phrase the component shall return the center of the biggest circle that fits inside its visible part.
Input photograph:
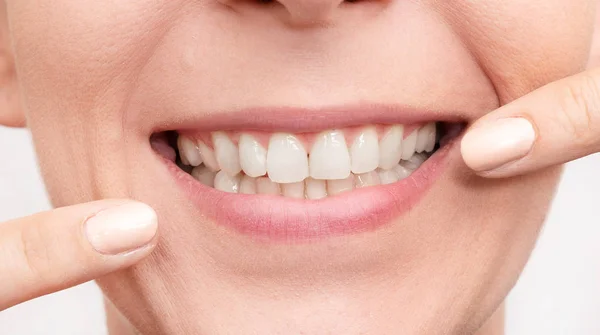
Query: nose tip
(310, 12)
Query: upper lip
(304, 120)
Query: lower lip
(289, 220)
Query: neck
(118, 325)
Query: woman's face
(434, 253)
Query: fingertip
(495, 144)
(122, 229)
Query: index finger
(54, 250)
(555, 124)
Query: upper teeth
(366, 160)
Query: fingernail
(122, 228)
(489, 146)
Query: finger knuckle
(35, 251)
(580, 108)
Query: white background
(559, 292)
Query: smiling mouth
(286, 184)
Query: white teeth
(253, 157)
(335, 187)
(265, 185)
(409, 144)
(402, 172)
(329, 157)
(188, 151)
(431, 139)
(204, 175)
(226, 183)
(390, 147)
(387, 176)
(227, 153)
(208, 156)
(287, 161)
(248, 185)
(414, 162)
(367, 179)
(285, 168)
(425, 138)
(315, 189)
(364, 152)
(295, 190)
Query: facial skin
(97, 78)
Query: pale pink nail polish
(122, 228)
(494, 144)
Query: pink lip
(308, 120)
(289, 220)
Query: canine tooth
(423, 137)
(227, 153)
(315, 189)
(390, 147)
(204, 175)
(227, 183)
(338, 186)
(402, 172)
(265, 185)
(409, 144)
(329, 157)
(253, 156)
(431, 139)
(208, 156)
(367, 179)
(287, 161)
(188, 151)
(364, 152)
(294, 190)
(248, 185)
(387, 176)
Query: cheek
(524, 44)
(75, 75)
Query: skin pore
(96, 79)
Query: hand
(555, 124)
(54, 250)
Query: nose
(310, 12)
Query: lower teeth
(309, 188)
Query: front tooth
(402, 172)
(287, 161)
(253, 156)
(335, 187)
(315, 189)
(409, 144)
(188, 151)
(424, 136)
(387, 176)
(248, 185)
(265, 185)
(295, 190)
(390, 147)
(367, 179)
(204, 175)
(227, 153)
(364, 152)
(208, 156)
(329, 157)
(226, 183)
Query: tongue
(160, 144)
